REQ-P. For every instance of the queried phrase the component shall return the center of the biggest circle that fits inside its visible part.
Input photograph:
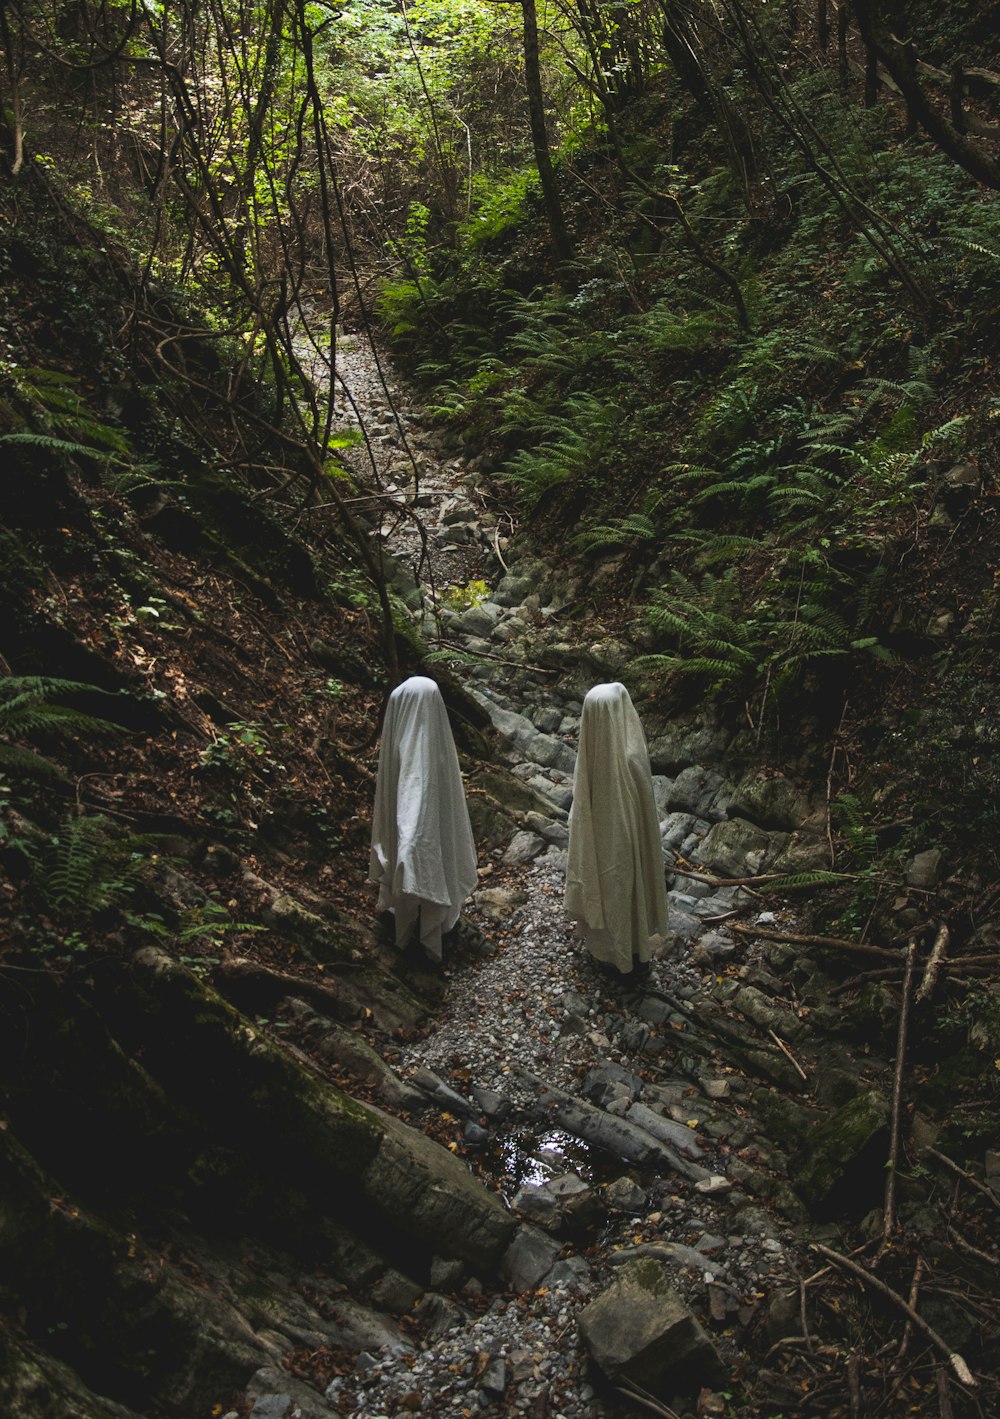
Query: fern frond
(802, 881)
(29, 764)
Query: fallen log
(837, 943)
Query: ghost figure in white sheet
(615, 889)
(423, 856)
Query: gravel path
(531, 1030)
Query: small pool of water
(529, 1157)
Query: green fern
(57, 414)
(629, 531)
(28, 708)
(803, 881)
(89, 866)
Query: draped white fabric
(615, 888)
(423, 856)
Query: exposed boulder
(841, 1165)
(770, 801)
(641, 1330)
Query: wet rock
(640, 1329)
(528, 1258)
(474, 1135)
(841, 1166)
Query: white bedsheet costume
(423, 856)
(615, 888)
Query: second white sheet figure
(615, 886)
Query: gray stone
(439, 1315)
(767, 1013)
(396, 1293)
(513, 589)
(681, 926)
(770, 801)
(548, 828)
(537, 1205)
(675, 828)
(625, 1195)
(550, 752)
(678, 1134)
(528, 1258)
(478, 620)
(494, 1380)
(565, 1186)
(678, 749)
(735, 848)
(640, 1329)
(926, 869)
(275, 1394)
(474, 1135)
(547, 719)
(446, 1272)
(523, 847)
(695, 791)
(499, 902)
(442, 1093)
(605, 1078)
(572, 1272)
(494, 1105)
(661, 790)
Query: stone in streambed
(523, 847)
(841, 1166)
(528, 1258)
(640, 1329)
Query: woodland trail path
(535, 1048)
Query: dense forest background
(707, 294)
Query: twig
(918, 1271)
(944, 1394)
(789, 1056)
(933, 967)
(854, 1382)
(496, 548)
(961, 1369)
(829, 785)
(960, 1172)
(889, 1216)
(837, 942)
(487, 655)
(638, 1395)
(988, 1258)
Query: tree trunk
(561, 249)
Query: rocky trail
(643, 1132)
